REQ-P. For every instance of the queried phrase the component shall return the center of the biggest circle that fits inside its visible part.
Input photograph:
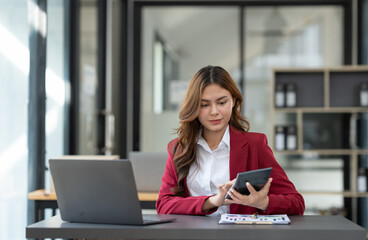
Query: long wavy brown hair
(186, 147)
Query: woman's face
(215, 109)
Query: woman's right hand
(218, 199)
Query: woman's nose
(214, 110)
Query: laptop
(99, 191)
(155, 162)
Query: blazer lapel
(238, 152)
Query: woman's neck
(212, 138)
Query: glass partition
(287, 36)
(304, 37)
(57, 86)
(176, 43)
(88, 83)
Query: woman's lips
(215, 122)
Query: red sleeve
(167, 202)
(283, 197)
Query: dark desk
(197, 227)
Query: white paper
(253, 219)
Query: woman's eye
(222, 103)
(204, 105)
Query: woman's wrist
(264, 205)
(209, 203)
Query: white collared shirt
(210, 169)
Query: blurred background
(96, 77)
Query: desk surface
(199, 227)
(40, 195)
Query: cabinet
(328, 119)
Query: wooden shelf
(288, 152)
(344, 194)
(147, 196)
(324, 152)
(327, 116)
(350, 68)
(40, 195)
(322, 110)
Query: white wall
(14, 65)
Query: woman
(213, 145)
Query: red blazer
(248, 151)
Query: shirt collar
(225, 139)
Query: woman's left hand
(258, 199)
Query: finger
(220, 186)
(228, 185)
(222, 189)
(227, 188)
(236, 196)
(250, 188)
(233, 197)
(229, 201)
(267, 186)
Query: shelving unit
(329, 121)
